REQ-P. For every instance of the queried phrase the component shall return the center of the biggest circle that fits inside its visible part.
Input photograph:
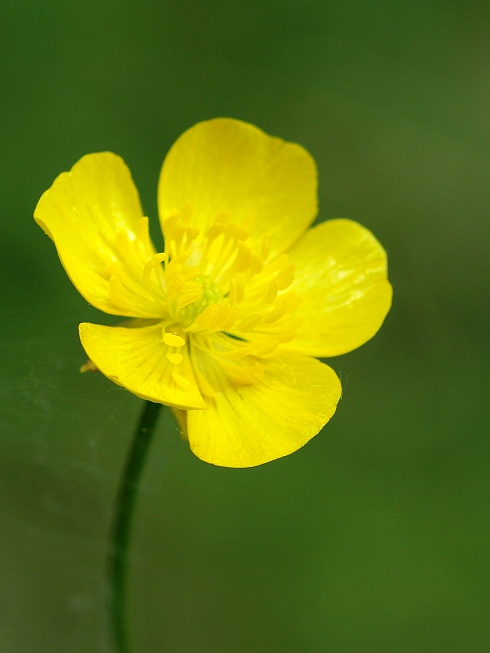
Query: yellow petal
(93, 215)
(136, 359)
(221, 166)
(341, 278)
(247, 425)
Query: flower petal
(341, 278)
(93, 215)
(247, 425)
(136, 359)
(268, 186)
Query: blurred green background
(373, 537)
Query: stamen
(229, 318)
(178, 235)
(271, 293)
(256, 264)
(220, 318)
(237, 354)
(208, 300)
(241, 234)
(232, 292)
(189, 293)
(175, 358)
(275, 314)
(151, 264)
(265, 248)
(169, 225)
(203, 320)
(263, 348)
(249, 323)
(285, 277)
(214, 231)
(173, 340)
(191, 234)
(181, 287)
(117, 292)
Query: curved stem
(121, 526)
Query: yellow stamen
(229, 318)
(169, 225)
(242, 259)
(275, 314)
(271, 293)
(241, 234)
(265, 248)
(256, 264)
(249, 323)
(203, 320)
(175, 358)
(285, 277)
(236, 291)
(263, 348)
(214, 231)
(236, 354)
(151, 264)
(173, 340)
(191, 234)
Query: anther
(236, 291)
(241, 234)
(275, 314)
(230, 317)
(249, 323)
(173, 340)
(203, 320)
(285, 277)
(271, 293)
(256, 264)
(191, 234)
(151, 264)
(242, 260)
(170, 223)
(265, 248)
(175, 359)
(214, 231)
(263, 348)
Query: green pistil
(211, 294)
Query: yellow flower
(228, 318)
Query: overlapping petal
(136, 359)
(247, 425)
(341, 278)
(266, 185)
(94, 216)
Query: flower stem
(121, 526)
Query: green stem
(121, 527)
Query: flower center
(210, 294)
(225, 295)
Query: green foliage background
(375, 536)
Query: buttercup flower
(228, 321)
